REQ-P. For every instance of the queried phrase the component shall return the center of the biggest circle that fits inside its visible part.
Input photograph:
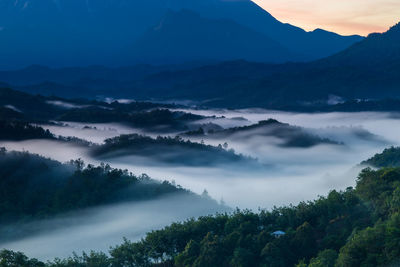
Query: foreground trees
(356, 227)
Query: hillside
(289, 135)
(42, 188)
(355, 227)
(186, 36)
(167, 150)
(20, 106)
(390, 157)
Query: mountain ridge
(74, 33)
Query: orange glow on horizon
(342, 16)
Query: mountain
(185, 36)
(369, 69)
(382, 49)
(106, 32)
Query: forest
(291, 136)
(390, 157)
(19, 130)
(33, 187)
(16, 105)
(173, 150)
(354, 227)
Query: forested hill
(390, 157)
(289, 135)
(19, 106)
(355, 227)
(19, 130)
(42, 188)
(167, 150)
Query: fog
(98, 229)
(93, 132)
(287, 176)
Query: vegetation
(291, 136)
(32, 187)
(158, 119)
(356, 227)
(167, 150)
(390, 157)
(19, 130)
(44, 109)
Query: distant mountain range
(122, 32)
(369, 69)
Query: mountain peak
(75, 32)
(395, 27)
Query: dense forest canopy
(19, 130)
(390, 157)
(33, 187)
(173, 150)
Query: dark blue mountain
(87, 32)
(367, 70)
(185, 36)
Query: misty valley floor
(287, 175)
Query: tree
(325, 258)
(17, 259)
(189, 255)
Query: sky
(342, 16)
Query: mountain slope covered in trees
(289, 135)
(167, 150)
(390, 157)
(35, 187)
(355, 227)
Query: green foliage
(33, 187)
(17, 259)
(86, 260)
(390, 157)
(355, 227)
(325, 258)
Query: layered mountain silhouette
(115, 32)
(367, 70)
(381, 49)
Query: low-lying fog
(99, 229)
(292, 174)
